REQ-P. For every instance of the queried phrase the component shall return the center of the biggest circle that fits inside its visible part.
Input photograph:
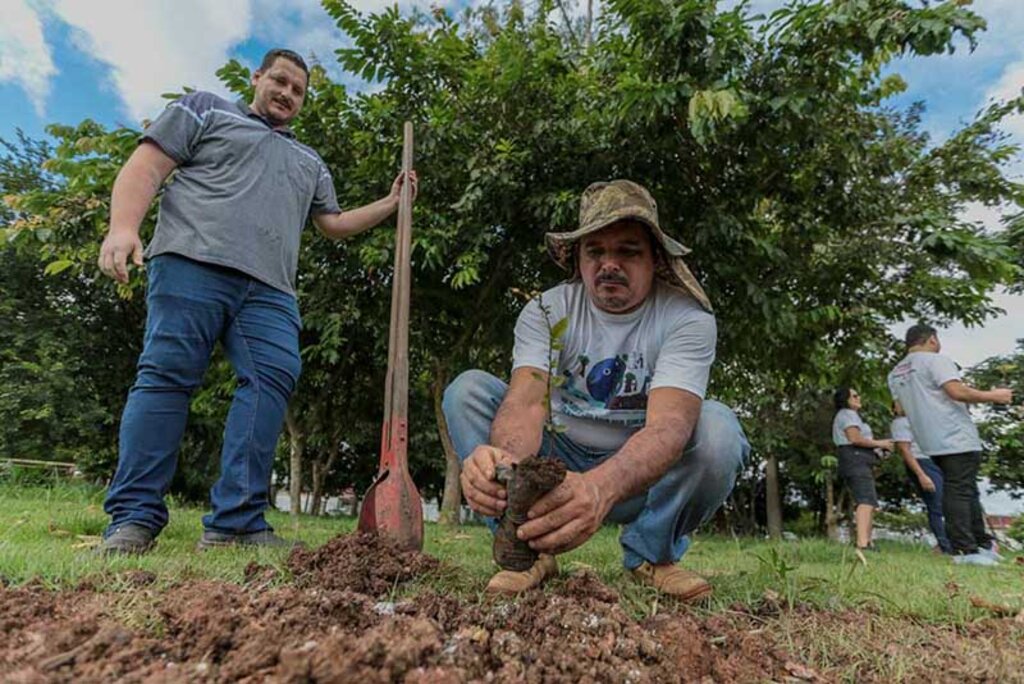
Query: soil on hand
(335, 622)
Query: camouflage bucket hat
(605, 203)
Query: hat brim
(673, 271)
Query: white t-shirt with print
(902, 432)
(848, 418)
(941, 424)
(610, 362)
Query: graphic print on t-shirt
(618, 383)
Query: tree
(1002, 427)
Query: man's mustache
(613, 279)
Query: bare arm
(570, 514)
(519, 424)
(134, 189)
(348, 223)
(908, 458)
(926, 482)
(671, 417)
(857, 439)
(958, 391)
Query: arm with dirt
(571, 513)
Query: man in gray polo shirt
(932, 394)
(221, 268)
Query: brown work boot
(512, 582)
(673, 580)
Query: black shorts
(855, 467)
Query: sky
(62, 61)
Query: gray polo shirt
(941, 424)
(242, 192)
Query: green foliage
(1002, 427)
(817, 211)
(1016, 531)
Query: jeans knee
(720, 447)
(464, 391)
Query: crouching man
(641, 446)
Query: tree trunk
(313, 507)
(298, 443)
(831, 530)
(320, 472)
(451, 499)
(588, 39)
(773, 502)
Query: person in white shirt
(857, 447)
(930, 390)
(922, 473)
(627, 379)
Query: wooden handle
(396, 391)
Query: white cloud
(154, 47)
(1009, 86)
(24, 55)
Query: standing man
(929, 389)
(641, 446)
(221, 267)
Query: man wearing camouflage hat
(641, 445)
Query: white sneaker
(994, 555)
(974, 559)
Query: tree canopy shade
(817, 211)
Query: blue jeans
(656, 523)
(932, 501)
(191, 306)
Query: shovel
(392, 506)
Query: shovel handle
(396, 391)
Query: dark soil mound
(363, 563)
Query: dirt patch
(363, 563)
(333, 623)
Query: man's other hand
(117, 248)
(567, 516)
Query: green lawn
(45, 534)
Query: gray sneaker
(128, 539)
(975, 559)
(264, 538)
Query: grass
(46, 533)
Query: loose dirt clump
(363, 563)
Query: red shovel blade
(392, 505)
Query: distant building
(999, 523)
